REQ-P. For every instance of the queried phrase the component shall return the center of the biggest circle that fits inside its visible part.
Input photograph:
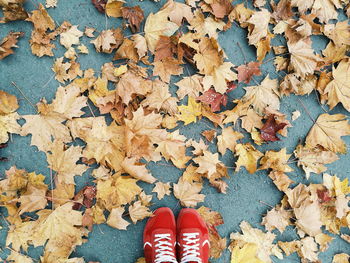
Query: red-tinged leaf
(214, 99)
(134, 15)
(85, 197)
(323, 196)
(1, 147)
(100, 5)
(270, 128)
(231, 86)
(246, 72)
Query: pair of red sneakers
(186, 241)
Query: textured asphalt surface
(247, 195)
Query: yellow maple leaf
(116, 220)
(327, 132)
(248, 157)
(262, 241)
(162, 189)
(277, 161)
(219, 77)
(137, 171)
(188, 192)
(138, 211)
(228, 139)
(314, 160)
(64, 161)
(266, 94)
(245, 254)
(189, 112)
(157, 25)
(338, 89)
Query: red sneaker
(192, 237)
(159, 237)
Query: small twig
(15, 85)
(262, 202)
(244, 57)
(91, 109)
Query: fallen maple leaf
(134, 15)
(9, 42)
(248, 157)
(270, 128)
(162, 189)
(100, 5)
(246, 72)
(190, 112)
(138, 212)
(327, 132)
(228, 140)
(276, 160)
(188, 193)
(12, 11)
(137, 170)
(214, 99)
(338, 90)
(116, 220)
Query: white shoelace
(164, 249)
(191, 248)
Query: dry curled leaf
(8, 43)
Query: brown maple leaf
(13, 10)
(100, 5)
(165, 48)
(134, 15)
(270, 128)
(9, 42)
(246, 72)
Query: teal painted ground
(242, 202)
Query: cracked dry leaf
(41, 20)
(277, 218)
(8, 43)
(116, 191)
(190, 86)
(276, 160)
(302, 60)
(281, 180)
(115, 219)
(8, 116)
(262, 240)
(166, 68)
(158, 95)
(157, 25)
(205, 25)
(338, 90)
(64, 161)
(207, 163)
(212, 220)
(263, 95)
(228, 139)
(61, 229)
(327, 132)
(188, 193)
(12, 11)
(137, 170)
(248, 157)
(189, 112)
(259, 26)
(162, 189)
(314, 159)
(173, 148)
(219, 77)
(70, 37)
(208, 56)
(138, 212)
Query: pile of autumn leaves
(145, 117)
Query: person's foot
(192, 237)
(159, 237)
